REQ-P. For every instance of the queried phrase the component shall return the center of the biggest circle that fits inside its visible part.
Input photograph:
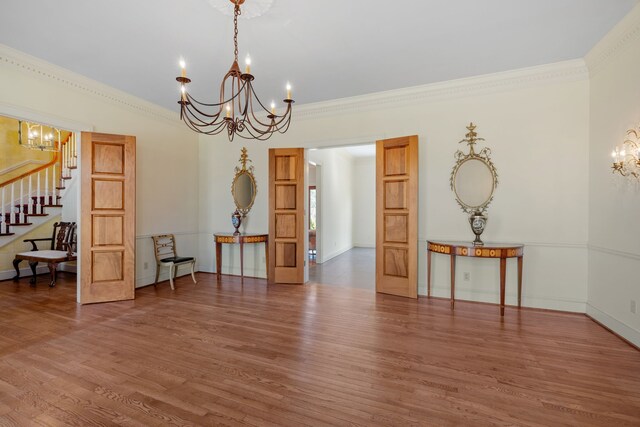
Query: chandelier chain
(236, 12)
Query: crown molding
(47, 71)
(615, 42)
(565, 71)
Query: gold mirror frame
(484, 156)
(240, 171)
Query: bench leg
(33, 265)
(53, 266)
(16, 265)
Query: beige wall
(536, 123)
(614, 202)
(167, 152)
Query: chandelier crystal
(39, 137)
(626, 159)
(239, 110)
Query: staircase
(26, 200)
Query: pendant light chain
(236, 12)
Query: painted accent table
(241, 239)
(489, 250)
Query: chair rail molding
(21, 165)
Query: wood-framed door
(286, 216)
(108, 216)
(397, 216)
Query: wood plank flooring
(252, 354)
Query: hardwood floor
(252, 354)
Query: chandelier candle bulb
(183, 66)
(273, 108)
(288, 91)
(228, 111)
(247, 62)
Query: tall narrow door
(108, 215)
(397, 216)
(286, 216)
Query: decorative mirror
(473, 180)
(243, 187)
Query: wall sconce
(626, 158)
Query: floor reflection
(355, 268)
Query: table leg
(519, 281)
(52, 271)
(428, 273)
(453, 280)
(503, 272)
(241, 261)
(218, 260)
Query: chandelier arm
(191, 98)
(198, 123)
(201, 115)
(274, 124)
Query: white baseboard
(559, 304)
(334, 254)
(24, 272)
(620, 328)
(364, 245)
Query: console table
(240, 239)
(489, 250)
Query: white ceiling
(328, 49)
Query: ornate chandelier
(626, 160)
(39, 137)
(235, 111)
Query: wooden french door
(397, 216)
(286, 216)
(108, 215)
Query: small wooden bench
(62, 250)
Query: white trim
(22, 164)
(25, 273)
(23, 113)
(473, 295)
(365, 245)
(565, 71)
(614, 252)
(175, 233)
(47, 71)
(334, 254)
(616, 42)
(620, 328)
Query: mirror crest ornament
(243, 187)
(473, 181)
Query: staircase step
(72, 167)
(19, 223)
(7, 234)
(65, 177)
(40, 214)
(61, 188)
(52, 206)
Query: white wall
(335, 194)
(364, 202)
(167, 152)
(536, 123)
(614, 202)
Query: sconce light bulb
(613, 154)
(623, 153)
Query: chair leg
(171, 268)
(157, 274)
(193, 276)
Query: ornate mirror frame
(471, 138)
(240, 171)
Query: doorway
(341, 188)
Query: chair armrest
(33, 242)
(69, 248)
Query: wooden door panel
(397, 216)
(107, 208)
(286, 216)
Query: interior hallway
(355, 268)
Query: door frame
(29, 114)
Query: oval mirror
(243, 186)
(474, 183)
(243, 190)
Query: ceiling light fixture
(626, 160)
(235, 111)
(39, 137)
